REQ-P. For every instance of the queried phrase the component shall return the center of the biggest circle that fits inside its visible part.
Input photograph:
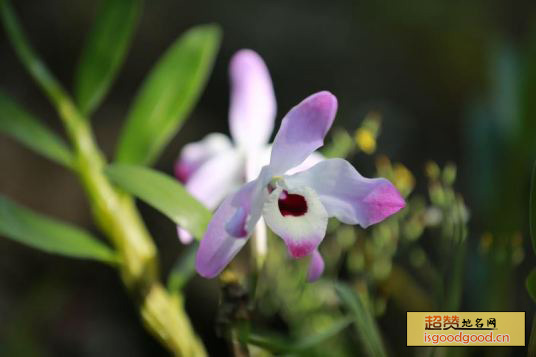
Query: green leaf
(19, 124)
(162, 192)
(532, 209)
(279, 344)
(531, 284)
(183, 269)
(105, 50)
(47, 234)
(531, 349)
(168, 95)
(34, 65)
(365, 324)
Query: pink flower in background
(215, 167)
(296, 206)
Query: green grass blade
(279, 344)
(531, 349)
(19, 124)
(168, 95)
(105, 50)
(311, 341)
(162, 192)
(38, 231)
(531, 284)
(532, 209)
(28, 57)
(364, 322)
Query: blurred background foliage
(438, 96)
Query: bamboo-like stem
(114, 212)
(162, 313)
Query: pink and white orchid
(215, 167)
(296, 206)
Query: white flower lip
(302, 233)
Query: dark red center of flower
(292, 205)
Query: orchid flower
(297, 206)
(215, 167)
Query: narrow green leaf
(183, 269)
(163, 193)
(47, 234)
(168, 95)
(531, 284)
(105, 50)
(532, 209)
(531, 349)
(19, 124)
(333, 330)
(279, 344)
(34, 65)
(365, 324)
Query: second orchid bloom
(216, 166)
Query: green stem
(114, 211)
(117, 216)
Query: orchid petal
(302, 131)
(236, 226)
(249, 201)
(302, 232)
(184, 236)
(257, 159)
(216, 178)
(242, 202)
(196, 154)
(348, 196)
(211, 182)
(217, 248)
(316, 267)
(253, 107)
(311, 161)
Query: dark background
(430, 67)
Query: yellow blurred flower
(403, 179)
(365, 140)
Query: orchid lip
(292, 205)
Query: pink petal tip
(383, 201)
